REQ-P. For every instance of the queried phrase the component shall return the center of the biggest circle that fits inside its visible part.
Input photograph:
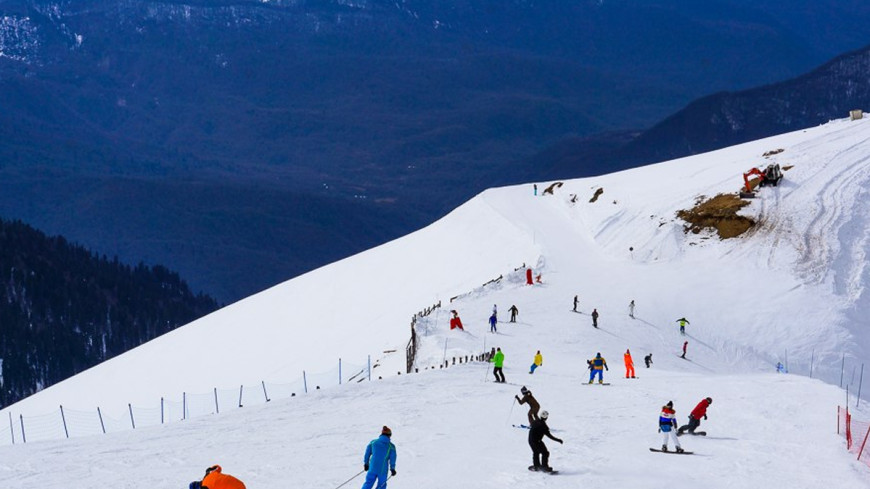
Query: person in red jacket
(699, 412)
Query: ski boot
(546, 468)
(680, 450)
(664, 448)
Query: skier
(685, 345)
(498, 360)
(455, 322)
(699, 412)
(514, 311)
(780, 368)
(380, 455)
(539, 360)
(631, 309)
(214, 479)
(629, 364)
(683, 322)
(667, 424)
(648, 360)
(597, 366)
(540, 455)
(595, 318)
(575, 303)
(495, 311)
(529, 399)
(492, 322)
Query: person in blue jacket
(380, 456)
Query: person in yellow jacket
(539, 360)
(215, 479)
(629, 365)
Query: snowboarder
(594, 318)
(648, 360)
(597, 366)
(631, 309)
(535, 187)
(540, 455)
(667, 425)
(685, 345)
(699, 412)
(455, 322)
(629, 364)
(498, 361)
(539, 360)
(529, 399)
(215, 479)
(575, 303)
(380, 455)
(514, 311)
(492, 322)
(683, 322)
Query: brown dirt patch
(719, 213)
(597, 194)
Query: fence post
(100, 415)
(183, 406)
(265, 394)
(132, 421)
(812, 360)
(304, 382)
(63, 418)
(11, 430)
(217, 408)
(161, 410)
(860, 383)
(23, 434)
(339, 371)
(370, 368)
(863, 443)
(842, 367)
(240, 394)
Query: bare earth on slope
(719, 213)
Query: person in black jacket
(540, 455)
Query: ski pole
(352, 478)
(511, 412)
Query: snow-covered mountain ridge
(795, 284)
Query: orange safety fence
(856, 433)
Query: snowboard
(671, 451)
(535, 469)
(697, 433)
(596, 383)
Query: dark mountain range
(64, 309)
(724, 119)
(243, 142)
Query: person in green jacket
(498, 360)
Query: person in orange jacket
(629, 364)
(215, 479)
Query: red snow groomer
(771, 175)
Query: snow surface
(794, 286)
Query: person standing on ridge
(699, 412)
(495, 311)
(667, 425)
(594, 318)
(380, 455)
(514, 311)
(529, 399)
(540, 455)
(629, 365)
(498, 361)
(648, 360)
(685, 345)
(576, 300)
(631, 309)
(539, 360)
(535, 188)
(683, 322)
(598, 365)
(455, 322)
(215, 479)
(492, 322)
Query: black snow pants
(540, 455)
(693, 424)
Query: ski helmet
(709, 400)
(524, 390)
(545, 415)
